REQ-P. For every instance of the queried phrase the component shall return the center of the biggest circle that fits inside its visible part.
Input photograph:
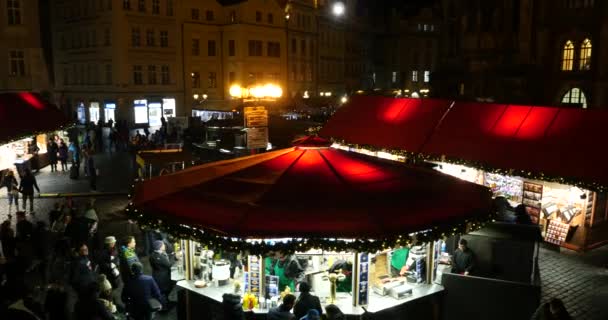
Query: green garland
(215, 240)
(36, 133)
(419, 158)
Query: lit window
(394, 77)
(426, 27)
(427, 75)
(414, 75)
(568, 56)
(17, 63)
(585, 59)
(13, 8)
(575, 96)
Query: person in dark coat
(82, 271)
(283, 312)
(463, 261)
(12, 189)
(52, 149)
(25, 229)
(161, 268)
(521, 215)
(28, 183)
(306, 301)
(233, 309)
(109, 263)
(89, 306)
(63, 155)
(33, 150)
(137, 293)
(55, 303)
(92, 170)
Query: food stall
(27, 121)
(318, 205)
(152, 163)
(526, 154)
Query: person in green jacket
(398, 261)
(346, 268)
(289, 271)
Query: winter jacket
(280, 313)
(305, 302)
(28, 183)
(82, 273)
(161, 270)
(109, 264)
(138, 291)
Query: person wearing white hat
(109, 263)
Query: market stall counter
(204, 301)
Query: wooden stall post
(430, 262)
(188, 268)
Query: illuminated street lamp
(268, 91)
(338, 9)
(344, 99)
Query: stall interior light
(328, 94)
(305, 95)
(266, 91)
(344, 99)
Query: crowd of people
(47, 263)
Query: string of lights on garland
(31, 134)
(415, 157)
(215, 240)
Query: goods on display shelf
(557, 232)
(509, 187)
(532, 197)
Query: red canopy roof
(557, 142)
(311, 192)
(27, 113)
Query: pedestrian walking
(92, 170)
(63, 155)
(12, 189)
(52, 150)
(28, 183)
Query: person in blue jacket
(140, 293)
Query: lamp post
(287, 16)
(338, 9)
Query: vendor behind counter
(288, 269)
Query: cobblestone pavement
(578, 279)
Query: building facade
(24, 67)
(523, 51)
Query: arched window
(568, 56)
(585, 59)
(575, 96)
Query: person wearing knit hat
(157, 245)
(110, 240)
(143, 293)
(161, 269)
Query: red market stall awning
(310, 192)
(26, 113)
(556, 144)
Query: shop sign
(254, 278)
(256, 117)
(362, 282)
(257, 138)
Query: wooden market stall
(309, 198)
(545, 158)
